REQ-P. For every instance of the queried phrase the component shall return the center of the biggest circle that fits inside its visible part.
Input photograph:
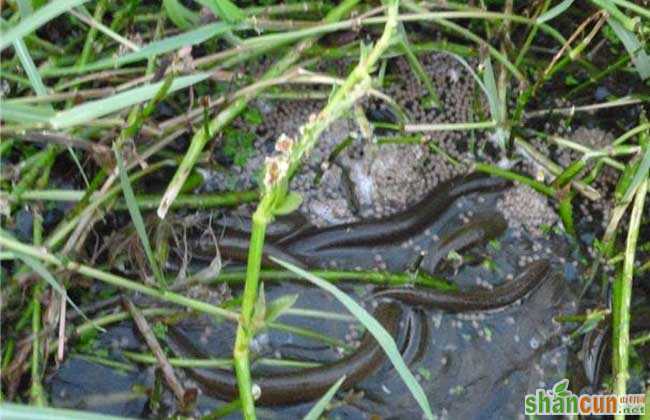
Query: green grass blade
(24, 114)
(636, 8)
(640, 175)
(30, 68)
(136, 217)
(634, 48)
(623, 297)
(417, 67)
(182, 17)
(162, 46)
(95, 109)
(613, 11)
(491, 90)
(44, 273)
(38, 19)
(496, 105)
(381, 335)
(225, 9)
(28, 412)
(317, 410)
(554, 11)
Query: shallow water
(470, 365)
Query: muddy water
(470, 365)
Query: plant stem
(245, 328)
(201, 138)
(36, 393)
(115, 280)
(621, 314)
(278, 171)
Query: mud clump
(527, 211)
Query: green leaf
(591, 322)
(634, 48)
(25, 114)
(44, 273)
(136, 216)
(373, 327)
(613, 11)
(36, 20)
(225, 9)
(432, 100)
(279, 306)
(554, 11)
(92, 110)
(259, 310)
(10, 411)
(640, 174)
(253, 116)
(291, 202)
(162, 46)
(565, 211)
(182, 17)
(569, 173)
(238, 145)
(496, 108)
(317, 410)
(625, 180)
(30, 68)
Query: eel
(301, 385)
(309, 384)
(393, 243)
(234, 246)
(480, 229)
(397, 227)
(533, 275)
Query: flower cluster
(276, 167)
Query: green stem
(621, 327)
(200, 138)
(115, 280)
(36, 393)
(278, 171)
(245, 330)
(504, 173)
(365, 277)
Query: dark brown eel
(309, 384)
(502, 295)
(303, 385)
(360, 243)
(483, 228)
(394, 243)
(400, 226)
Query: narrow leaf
(38, 19)
(640, 175)
(225, 9)
(182, 17)
(373, 327)
(554, 11)
(634, 48)
(24, 114)
(279, 306)
(162, 46)
(45, 274)
(318, 408)
(10, 411)
(136, 216)
(95, 109)
(291, 202)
